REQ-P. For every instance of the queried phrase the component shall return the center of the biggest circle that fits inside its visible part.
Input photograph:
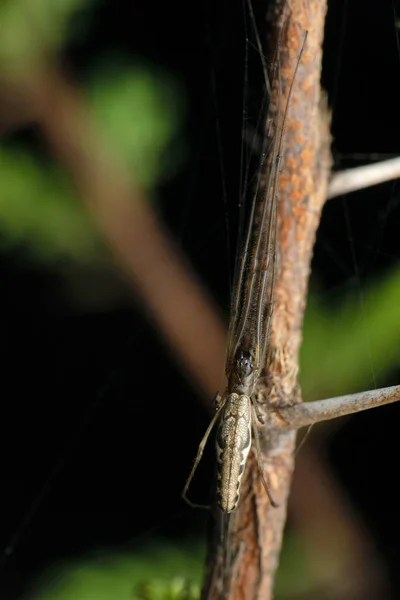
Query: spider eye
(245, 363)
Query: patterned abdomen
(233, 445)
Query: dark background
(99, 426)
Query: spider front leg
(259, 415)
(217, 402)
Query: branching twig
(303, 415)
(349, 180)
(359, 178)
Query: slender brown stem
(255, 530)
(151, 262)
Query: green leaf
(139, 113)
(157, 572)
(39, 209)
(30, 29)
(352, 347)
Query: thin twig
(359, 178)
(348, 180)
(308, 413)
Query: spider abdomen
(233, 444)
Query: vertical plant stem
(255, 528)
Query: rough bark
(255, 529)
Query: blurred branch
(333, 535)
(359, 178)
(152, 264)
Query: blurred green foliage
(137, 112)
(33, 29)
(159, 572)
(137, 109)
(353, 346)
(38, 210)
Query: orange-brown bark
(255, 529)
